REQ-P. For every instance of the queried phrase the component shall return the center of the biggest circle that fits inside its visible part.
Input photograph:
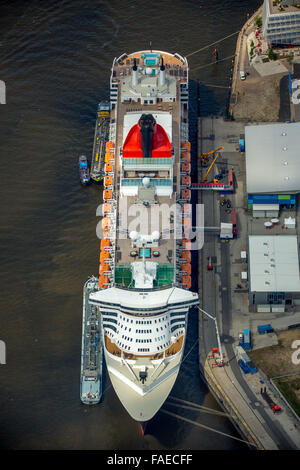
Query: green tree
(271, 54)
(258, 21)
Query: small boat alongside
(91, 350)
(84, 170)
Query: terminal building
(272, 167)
(273, 265)
(281, 22)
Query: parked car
(242, 75)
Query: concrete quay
(237, 394)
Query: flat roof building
(281, 22)
(273, 262)
(272, 158)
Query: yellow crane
(210, 167)
(204, 156)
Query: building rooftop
(272, 158)
(273, 263)
(287, 6)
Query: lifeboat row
(107, 221)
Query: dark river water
(55, 59)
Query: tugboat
(84, 170)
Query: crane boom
(210, 167)
(204, 156)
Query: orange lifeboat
(106, 208)
(186, 194)
(186, 180)
(107, 194)
(104, 255)
(106, 222)
(187, 222)
(104, 244)
(103, 268)
(106, 235)
(186, 244)
(187, 268)
(187, 256)
(109, 157)
(186, 145)
(186, 156)
(187, 209)
(108, 167)
(186, 167)
(108, 181)
(109, 145)
(187, 282)
(103, 281)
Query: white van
(242, 75)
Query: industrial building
(273, 272)
(272, 167)
(281, 22)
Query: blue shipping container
(247, 341)
(264, 329)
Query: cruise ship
(143, 294)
